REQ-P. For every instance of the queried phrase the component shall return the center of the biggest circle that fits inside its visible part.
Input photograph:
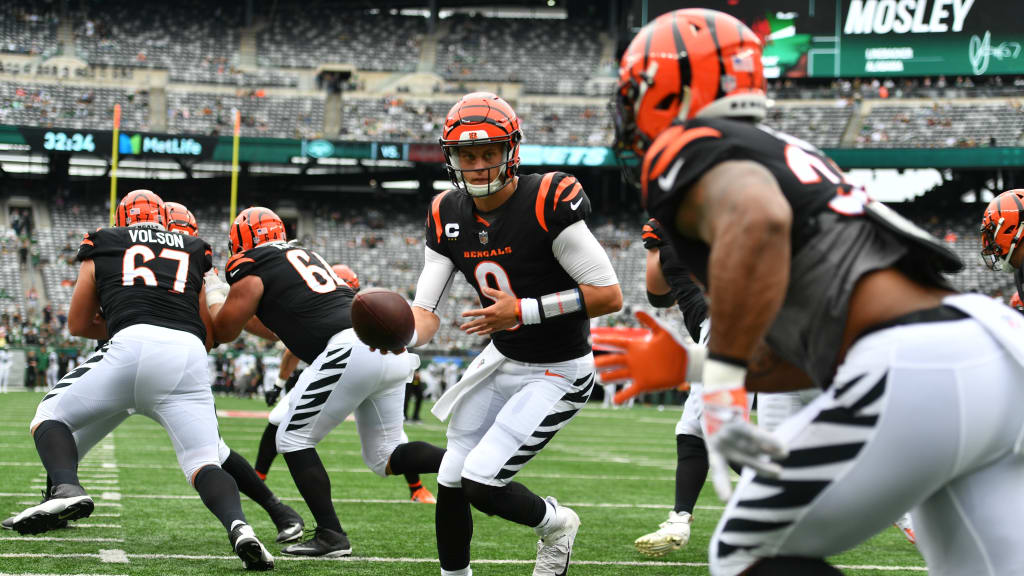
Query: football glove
(652, 235)
(272, 395)
(727, 428)
(216, 289)
(656, 361)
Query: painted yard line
(103, 515)
(56, 539)
(34, 502)
(661, 506)
(52, 574)
(113, 556)
(375, 559)
(80, 525)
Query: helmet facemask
(457, 174)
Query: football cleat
(288, 522)
(906, 525)
(8, 523)
(249, 548)
(554, 549)
(423, 496)
(66, 502)
(671, 535)
(326, 543)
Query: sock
(785, 566)
(416, 458)
(545, 523)
(512, 502)
(414, 482)
(315, 486)
(691, 470)
(267, 451)
(467, 571)
(454, 527)
(58, 452)
(249, 483)
(219, 492)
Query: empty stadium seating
(942, 125)
(67, 106)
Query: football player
(813, 283)
(1001, 231)
(288, 522)
(522, 242)
(289, 362)
(279, 289)
(149, 284)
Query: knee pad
(377, 463)
(450, 473)
(222, 450)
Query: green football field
(614, 467)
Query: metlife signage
(98, 142)
(850, 38)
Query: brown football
(382, 319)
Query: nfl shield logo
(483, 236)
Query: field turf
(614, 467)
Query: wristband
(529, 311)
(280, 382)
(723, 373)
(412, 341)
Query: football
(382, 319)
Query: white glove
(729, 433)
(216, 289)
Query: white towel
(479, 369)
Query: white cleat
(670, 536)
(555, 548)
(249, 548)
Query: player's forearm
(601, 300)
(257, 328)
(749, 272)
(289, 361)
(767, 372)
(427, 324)
(656, 283)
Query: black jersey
(146, 275)
(838, 234)
(509, 249)
(303, 301)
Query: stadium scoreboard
(856, 38)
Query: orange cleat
(423, 495)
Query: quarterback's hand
(216, 289)
(728, 431)
(652, 235)
(497, 317)
(654, 362)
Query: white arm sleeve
(435, 281)
(582, 256)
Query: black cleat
(249, 548)
(326, 543)
(66, 502)
(288, 522)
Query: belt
(938, 314)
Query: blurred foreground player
(812, 282)
(522, 242)
(279, 289)
(149, 283)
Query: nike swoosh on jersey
(667, 179)
(576, 204)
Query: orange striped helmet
(1001, 228)
(348, 275)
(139, 207)
(476, 119)
(179, 219)
(684, 64)
(254, 226)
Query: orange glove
(654, 362)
